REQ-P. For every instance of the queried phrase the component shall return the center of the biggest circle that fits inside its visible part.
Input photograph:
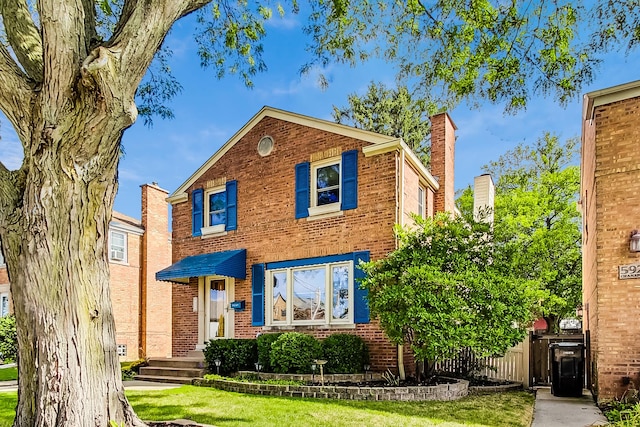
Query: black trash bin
(567, 368)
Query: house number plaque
(631, 271)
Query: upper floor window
(327, 186)
(215, 210)
(117, 246)
(421, 202)
(327, 183)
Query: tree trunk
(56, 249)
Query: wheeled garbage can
(567, 368)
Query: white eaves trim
(608, 96)
(399, 145)
(125, 228)
(180, 195)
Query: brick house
(610, 201)
(5, 300)
(137, 249)
(268, 233)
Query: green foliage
(391, 112)
(448, 287)
(264, 342)
(345, 353)
(131, 369)
(294, 352)
(254, 378)
(537, 221)
(8, 338)
(235, 355)
(504, 52)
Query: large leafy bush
(8, 338)
(345, 353)
(235, 355)
(294, 352)
(264, 342)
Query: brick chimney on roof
(443, 140)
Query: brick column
(443, 141)
(155, 297)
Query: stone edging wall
(442, 392)
(495, 388)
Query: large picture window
(310, 295)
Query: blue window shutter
(361, 304)
(302, 190)
(232, 205)
(349, 180)
(257, 292)
(197, 211)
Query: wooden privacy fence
(513, 366)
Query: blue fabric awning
(227, 263)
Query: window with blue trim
(215, 210)
(320, 294)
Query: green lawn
(7, 374)
(211, 406)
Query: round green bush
(264, 342)
(234, 354)
(345, 354)
(8, 339)
(293, 353)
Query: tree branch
(65, 45)
(23, 36)
(15, 94)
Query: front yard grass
(220, 408)
(8, 374)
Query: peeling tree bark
(70, 104)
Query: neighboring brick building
(295, 203)
(610, 200)
(141, 305)
(5, 300)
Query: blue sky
(209, 111)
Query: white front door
(216, 319)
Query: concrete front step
(163, 379)
(178, 362)
(166, 371)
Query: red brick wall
(611, 161)
(267, 227)
(125, 297)
(155, 324)
(442, 161)
(4, 277)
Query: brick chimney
(155, 297)
(443, 140)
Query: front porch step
(163, 379)
(166, 371)
(196, 354)
(177, 370)
(178, 362)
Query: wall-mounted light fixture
(634, 241)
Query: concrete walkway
(553, 411)
(128, 385)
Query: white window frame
(4, 296)
(124, 248)
(328, 320)
(314, 209)
(208, 228)
(421, 202)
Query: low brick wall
(442, 392)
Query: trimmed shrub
(264, 342)
(235, 355)
(293, 353)
(345, 354)
(131, 369)
(8, 339)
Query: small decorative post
(366, 371)
(313, 373)
(258, 368)
(218, 362)
(321, 363)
